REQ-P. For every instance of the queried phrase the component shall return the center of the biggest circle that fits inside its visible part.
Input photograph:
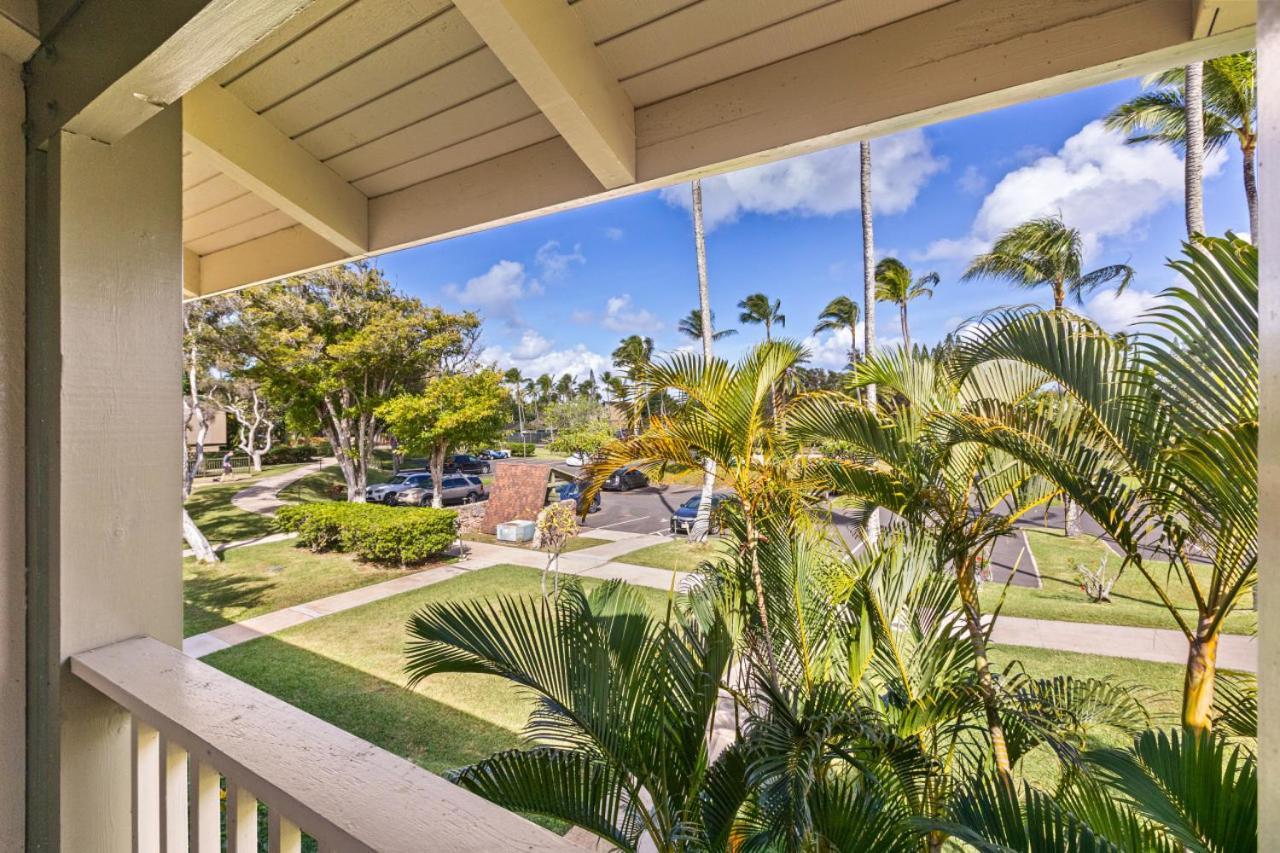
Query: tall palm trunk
(986, 684)
(1251, 186)
(902, 319)
(702, 522)
(1194, 162)
(868, 293)
(1202, 671)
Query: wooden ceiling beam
(547, 50)
(252, 152)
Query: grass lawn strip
(1133, 602)
(678, 555)
(577, 543)
(211, 509)
(258, 579)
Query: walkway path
(263, 496)
(600, 561)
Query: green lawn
(258, 579)
(326, 485)
(577, 543)
(1133, 602)
(348, 669)
(211, 509)
(679, 554)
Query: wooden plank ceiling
(391, 95)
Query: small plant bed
(1133, 601)
(259, 579)
(220, 520)
(326, 485)
(348, 669)
(575, 543)
(678, 555)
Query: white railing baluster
(206, 808)
(174, 793)
(146, 788)
(242, 820)
(283, 834)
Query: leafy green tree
(587, 438)
(895, 283)
(841, 313)
(758, 310)
(339, 342)
(691, 327)
(1045, 252)
(1160, 439)
(1230, 110)
(453, 411)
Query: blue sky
(558, 293)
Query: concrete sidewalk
(261, 498)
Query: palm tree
(841, 313)
(868, 287)
(1230, 99)
(1041, 252)
(513, 378)
(634, 356)
(757, 309)
(691, 327)
(895, 283)
(1159, 439)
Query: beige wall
(106, 339)
(12, 458)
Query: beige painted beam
(1215, 17)
(19, 29)
(112, 64)
(190, 274)
(251, 151)
(547, 50)
(286, 252)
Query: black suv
(625, 479)
(465, 463)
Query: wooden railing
(209, 749)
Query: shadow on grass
(207, 596)
(431, 734)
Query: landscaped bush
(522, 449)
(380, 534)
(285, 454)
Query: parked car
(573, 492)
(495, 453)
(456, 488)
(625, 479)
(682, 519)
(466, 463)
(383, 492)
(578, 459)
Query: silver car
(457, 488)
(383, 493)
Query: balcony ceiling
(361, 126)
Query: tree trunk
(437, 476)
(1059, 295)
(702, 521)
(1251, 188)
(986, 685)
(1070, 517)
(196, 540)
(906, 331)
(868, 296)
(757, 580)
(1202, 670)
(1194, 162)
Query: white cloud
(1117, 311)
(613, 232)
(830, 349)
(972, 181)
(820, 184)
(497, 290)
(949, 249)
(621, 316)
(531, 345)
(578, 361)
(554, 263)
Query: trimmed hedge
(523, 450)
(380, 534)
(288, 454)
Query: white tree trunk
(702, 521)
(869, 294)
(1070, 517)
(1195, 148)
(437, 475)
(196, 540)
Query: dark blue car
(573, 492)
(682, 519)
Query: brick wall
(519, 491)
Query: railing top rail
(345, 792)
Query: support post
(104, 265)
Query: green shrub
(288, 453)
(381, 534)
(519, 449)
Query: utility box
(516, 531)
